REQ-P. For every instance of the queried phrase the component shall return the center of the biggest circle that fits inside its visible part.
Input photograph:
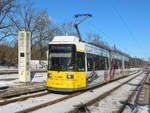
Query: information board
(24, 55)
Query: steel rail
(8, 101)
(100, 97)
(48, 103)
(67, 97)
(136, 92)
(15, 93)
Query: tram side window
(102, 63)
(117, 64)
(97, 63)
(90, 63)
(120, 64)
(106, 63)
(114, 64)
(126, 64)
(80, 61)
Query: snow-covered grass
(7, 76)
(38, 77)
(8, 68)
(143, 109)
(14, 107)
(139, 109)
(117, 98)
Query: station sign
(24, 56)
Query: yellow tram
(75, 65)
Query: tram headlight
(49, 75)
(70, 76)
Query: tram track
(12, 99)
(19, 99)
(83, 107)
(133, 97)
(49, 103)
(14, 93)
(19, 91)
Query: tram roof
(65, 39)
(76, 39)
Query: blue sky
(125, 23)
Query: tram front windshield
(61, 57)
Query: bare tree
(7, 8)
(96, 39)
(89, 36)
(38, 22)
(24, 18)
(44, 27)
(67, 28)
(6, 57)
(44, 32)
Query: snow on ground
(8, 68)
(69, 104)
(4, 80)
(9, 83)
(14, 107)
(9, 76)
(35, 65)
(143, 109)
(117, 98)
(138, 109)
(38, 77)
